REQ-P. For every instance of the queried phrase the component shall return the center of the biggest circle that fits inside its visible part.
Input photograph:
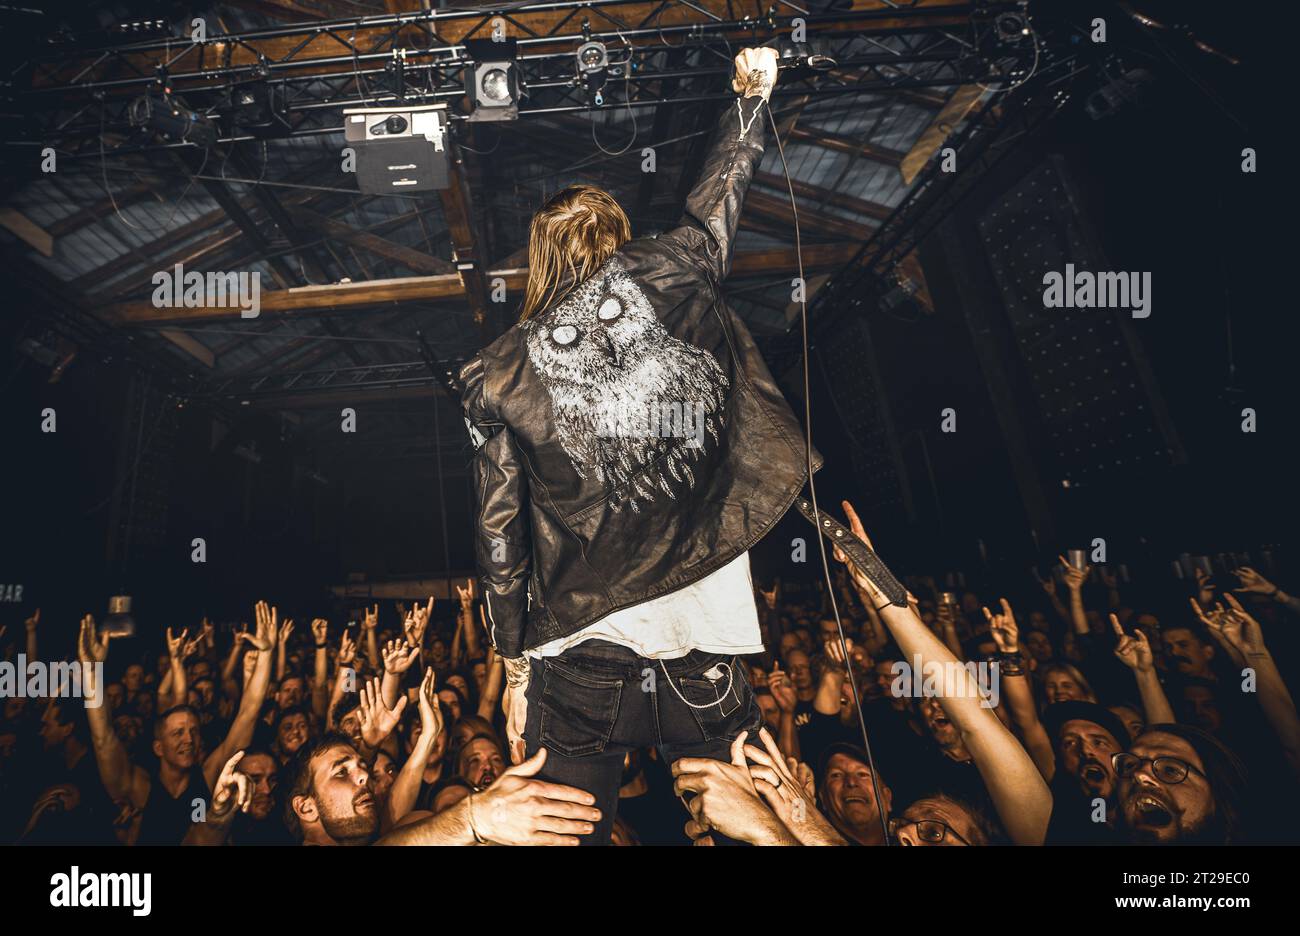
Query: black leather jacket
(582, 508)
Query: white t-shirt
(717, 614)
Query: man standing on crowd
(631, 447)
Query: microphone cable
(812, 487)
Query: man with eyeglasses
(1178, 785)
(940, 820)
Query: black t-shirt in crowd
(268, 831)
(1072, 812)
(166, 820)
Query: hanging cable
(812, 490)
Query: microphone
(800, 56)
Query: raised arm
(320, 687)
(1135, 653)
(174, 689)
(406, 788)
(370, 627)
(345, 677)
(1244, 633)
(240, 734)
(708, 230)
(1074, 579)
(1018, 692)
(122, 780)
(398, 658)
(492, 685)
(281, 645)
(1019, 793)
(1254, 583)
(778, 683)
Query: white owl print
(603, 351)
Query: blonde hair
(571, 236)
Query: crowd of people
(1084, 710)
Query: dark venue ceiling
(859, 143)
(371, 302)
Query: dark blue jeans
(598, 701)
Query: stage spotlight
(495, 90)
(1012, 28)
(593, 64)
(163, 113)
(258, 107)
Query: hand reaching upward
(1003, 628)
(398, 656)
(90, 649)
(377, 720)
(1134, 652)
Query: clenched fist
(755, 73)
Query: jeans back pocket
(578, 710)
(719, 705)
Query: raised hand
(1242, 629)
(778, 683)
(756, 72)
(90, 649)
(864, 585)
(1253, 582)
(250, 664)
(347, 650)
(286, 631)
(1074, 578)
(466, 594)
(268, 627)
(371, 618)
(34, 621)
(377, 720)
(770, 597)
(233, 789)
(416, 623)
(1006, 634)
(176, 645)
(835, 653)
(1134, 652)
(320, 630)
(430, 707)
(398, 656)
(1204, 587)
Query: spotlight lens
(591, 56)
(496, 85)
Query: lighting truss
(320, 68)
